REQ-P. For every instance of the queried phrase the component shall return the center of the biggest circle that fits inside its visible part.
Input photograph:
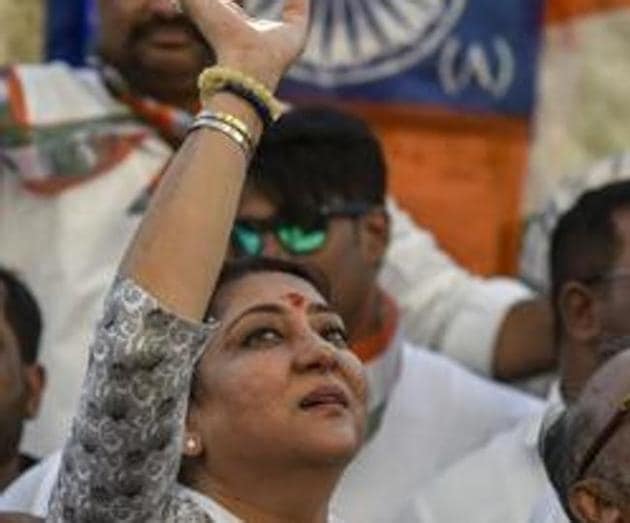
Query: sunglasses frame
(604, 437)
(273, 224)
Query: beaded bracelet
(216, 79)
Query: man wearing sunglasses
(590, 277)
(586, 450)
(316, 194)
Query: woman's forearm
(179, 249)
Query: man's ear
(592, 501)
(375, 234)
(35, 383)
(580, 311)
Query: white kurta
(437, 413)
(502, 481)
(444, 307)
(548, 508)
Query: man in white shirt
(590, 275)
(82, 148)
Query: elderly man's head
(590, 272)
(586, 450)
(158, 50)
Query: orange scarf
(371, 347)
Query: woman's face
(278, 383)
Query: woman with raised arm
(274, 409)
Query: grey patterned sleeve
(122, 458)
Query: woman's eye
(337, 336)
(262, 337)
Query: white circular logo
(355, 41)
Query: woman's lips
(325, 395)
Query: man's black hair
(585, 242)
(22, 314)
(234, 270)
(317, 156)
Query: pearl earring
(191, 444)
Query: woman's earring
(191, 445)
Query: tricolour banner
(450, 87)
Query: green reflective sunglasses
(248, 235)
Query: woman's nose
(315, 355)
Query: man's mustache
(156, 23)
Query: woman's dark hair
(22, 314)
(234, 270)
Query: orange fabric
(16, 99)
(460, 176)
(559, 11)
(373, 346)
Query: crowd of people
(241, 324)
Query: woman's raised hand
(260, 48)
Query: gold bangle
(232, 120)
(225, 129)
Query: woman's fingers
(215, 17)
(296, 15)
(296, 12)
(261, 48)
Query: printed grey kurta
(123, 456)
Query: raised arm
(181, 244)
(122, 459)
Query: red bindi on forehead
(295, 299)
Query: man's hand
(260, 48)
